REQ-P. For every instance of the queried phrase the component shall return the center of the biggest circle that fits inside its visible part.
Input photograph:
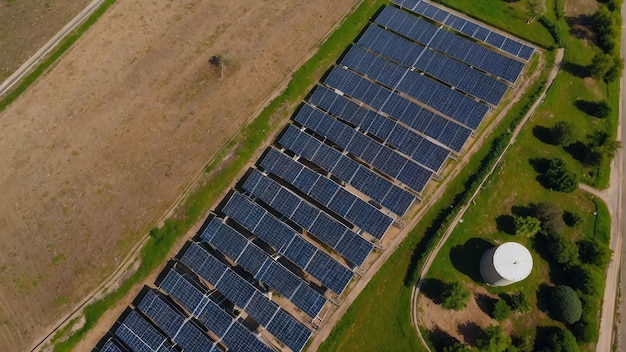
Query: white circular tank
(506, 264)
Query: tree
(495, 340)
(601, 65)
(527, 226)
(455, 296)
(560, 178)
(551, 217)
(562, 133)
(500, 310)
(606, 25)
(519, 302)
(536, 8)
(572, 219)
(219, 64)
(561, 340)
(599, 147)
(563, 251)
(616, 70)
(594, 252)
(565, 304)
(586, 278)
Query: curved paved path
(433, 254)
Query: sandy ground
(100, 147)
(27, 25)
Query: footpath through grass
(244, 145)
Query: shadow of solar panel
(139, 335)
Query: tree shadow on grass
(433, 289)
(543, 134)
(543, 298)
(441, 339)
(520, 210)
(466, 258)
(471, 332)
(506, 223)
(575, 69)
(485, 303)
(577, 150)
(588, 107)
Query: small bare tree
(219, 64)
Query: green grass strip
(243, 145)
(63, 46)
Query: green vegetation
(560, 178)
(455, 296)
(527, 226)
(500, 310)
(243, 145)
(561, 340)
(565, 304)
(495, 339)
(47, 62)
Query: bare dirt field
(27, 25)
(97, 150)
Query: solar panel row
(237, 290)
(140, 335)
(288, 243)
(174, 323)
(196, 300)
(440, 97)
(459, 75)
(467, 27)
(398, 136)
(344, 203)
(378, 96)
(321, 225)
(383, 158)
(358, 176)
(113, 345)
(262, 267)
(448, 43)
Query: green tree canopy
(527, 226)
(562, 340)
(562, 250)
(455, 296)
(560, 178)
(565, 304)
(551, 217)
(562, 133)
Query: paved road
(51, 44)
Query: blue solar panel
(140, 335)
(324, 227)
(235, 289)
(293, 247)
(112, 345)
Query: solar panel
(140, 335)
(112, 345)
(279, 323)
(358, 176)
(324, 227)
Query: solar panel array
(140, 335)
(358, 176)
(198, 302)
(242, 293)
(410, 54)
(288, 243)
(369, 150)
(401, 100)
(342, 202)
(468, 27)
(262, 267)
(450, 44)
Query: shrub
(527, 226)
(560, 178)
(562, 250)
(566, 305)
(495, 339)
(561, 340)
(519, 302)
(455, 296)
(594, 252)
(551, 217)
(500, 310)
(572, 219)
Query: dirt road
(98, 149)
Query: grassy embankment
(243, 145)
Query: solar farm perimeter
(273, 261)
